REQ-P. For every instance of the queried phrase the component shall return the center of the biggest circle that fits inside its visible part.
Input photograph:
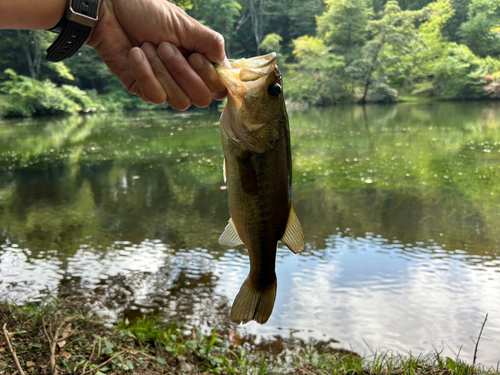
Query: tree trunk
(37, 54)
(372, 69)
(257, 22)
(240, 23)
(367, 86)
(32, 48)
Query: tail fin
(253, 303)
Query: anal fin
(293, 237)
(230, 237)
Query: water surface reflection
(399, 205)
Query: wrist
(104, 6)
(30, 14)
(74, 29)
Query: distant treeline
(330, 51)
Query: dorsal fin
(293, 237)
(230, 237)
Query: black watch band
(73, 29)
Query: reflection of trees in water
(407, 172)
(55, 210)
(164, 180)
(37, 142)
(41, 216)
(182, 291)
(415, 220)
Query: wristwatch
(73, 29)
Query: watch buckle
(80, 18)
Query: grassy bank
(64, 337)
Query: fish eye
(274, 90)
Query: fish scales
(256, 144)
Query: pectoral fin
(230, 237)
(248, 176)
(293, 237)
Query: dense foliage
(330, 51)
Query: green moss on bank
(65, 337)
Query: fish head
(255, 112)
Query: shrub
(492, 89)
(27, 97)
(382, 93)
(461, 74)
(87, 100)
(316, 77)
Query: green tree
(183, 4)
(300, 17)
(224, 16)
(462, 75)
(404, 4)
(413, 4)
(28, 96)
(452, 28)
(290, 19)
(436, 46)
(24, 52)
(257, 13)
(479, 33)
(90, 72)
(32, 43)
(343, 26)
(393, 32)
(271, 43)
(316, 78)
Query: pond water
(400, 207)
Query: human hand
(179, 71)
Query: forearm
(30, 14)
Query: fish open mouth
(247, 75)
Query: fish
(255, 137)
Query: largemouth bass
(258, 168)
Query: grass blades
(63, 337)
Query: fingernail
(220, 94)
(166, 51)
(226, 63)
(195, 61)
(136, 55)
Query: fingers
(195, 37)
(176, 97)
(207, 73)
(211, 44)
(146, 84)
(163, 74)
(184, 76)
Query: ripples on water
(356, 290)
(387, 264)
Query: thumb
(201, 39)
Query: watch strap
(60, 25)
(73, 29)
